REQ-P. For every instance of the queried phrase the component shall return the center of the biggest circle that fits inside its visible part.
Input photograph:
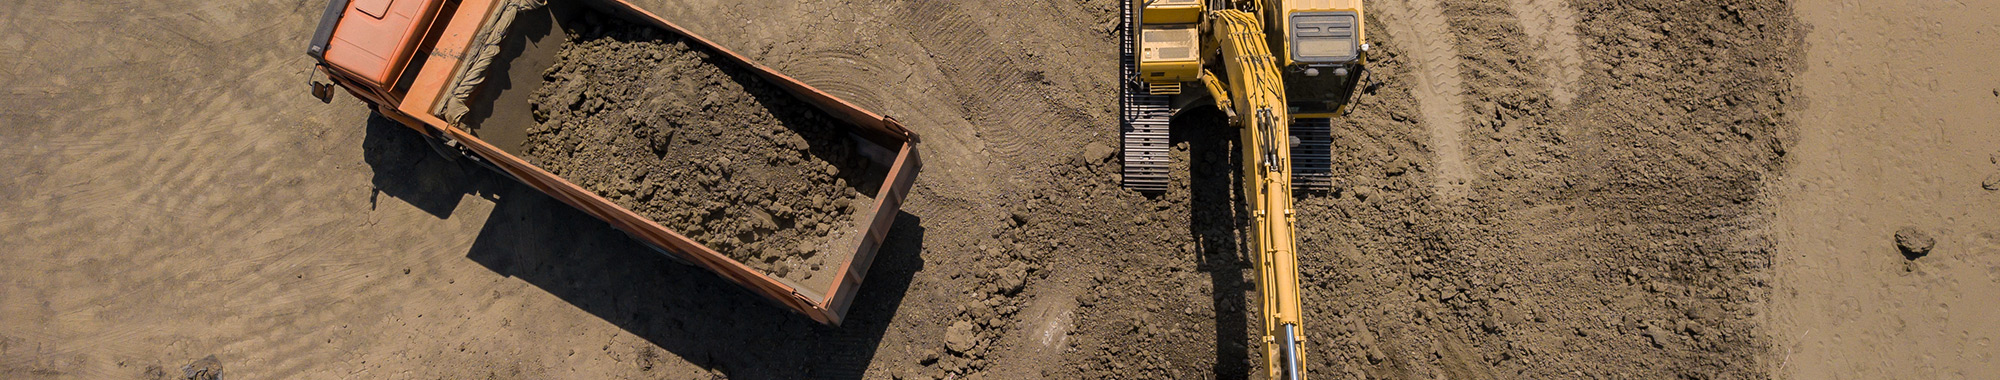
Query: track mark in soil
(1551, 25)
(845, 72)
(1049, 318)
(1440, 88)
(999, 85)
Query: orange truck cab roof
(371, 39)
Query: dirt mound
(681, 136)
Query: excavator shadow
(686, 311)
(1215, 213)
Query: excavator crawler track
(1312, 158)
(1142, 120)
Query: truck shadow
(1215, 218)
(406, 168)
(684, 310)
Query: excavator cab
(1171, 57)
(1321, 46)
(1318, 43)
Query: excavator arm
(1256, 90)
(1280, 69)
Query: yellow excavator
(1281, 70)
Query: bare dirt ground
(1900, 129)
(1533, 189)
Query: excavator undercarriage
(1148, 104)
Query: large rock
(1096, 153)
(208, 368)
(1914, 243)
(960, 338)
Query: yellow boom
(1279, 102)
(1256, 89)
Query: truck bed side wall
(824, 305)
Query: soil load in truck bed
(708, 149)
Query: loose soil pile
(683, 137)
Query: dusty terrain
(1532, 189)
(708, 150)
(1897, 130)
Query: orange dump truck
(428, 64)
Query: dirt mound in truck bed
(714, 152)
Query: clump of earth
(680, 135)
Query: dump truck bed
(474, 86)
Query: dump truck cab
(367, 46)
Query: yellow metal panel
(1169, 42)
(1321, 5)
(1257, 91)
(1170, 11)
(1162, 72)
(1169, 53)
(1279, 24)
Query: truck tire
(436, 142)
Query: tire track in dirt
(845, 72)
(1566, 265)
(994, 87)
(1551, 24)
(1440, 88)
(155, 56)
(178, 231)
(955, 40)
(1044, 331)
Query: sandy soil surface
(1533, 189)
(708, 150)
(1898, 130)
